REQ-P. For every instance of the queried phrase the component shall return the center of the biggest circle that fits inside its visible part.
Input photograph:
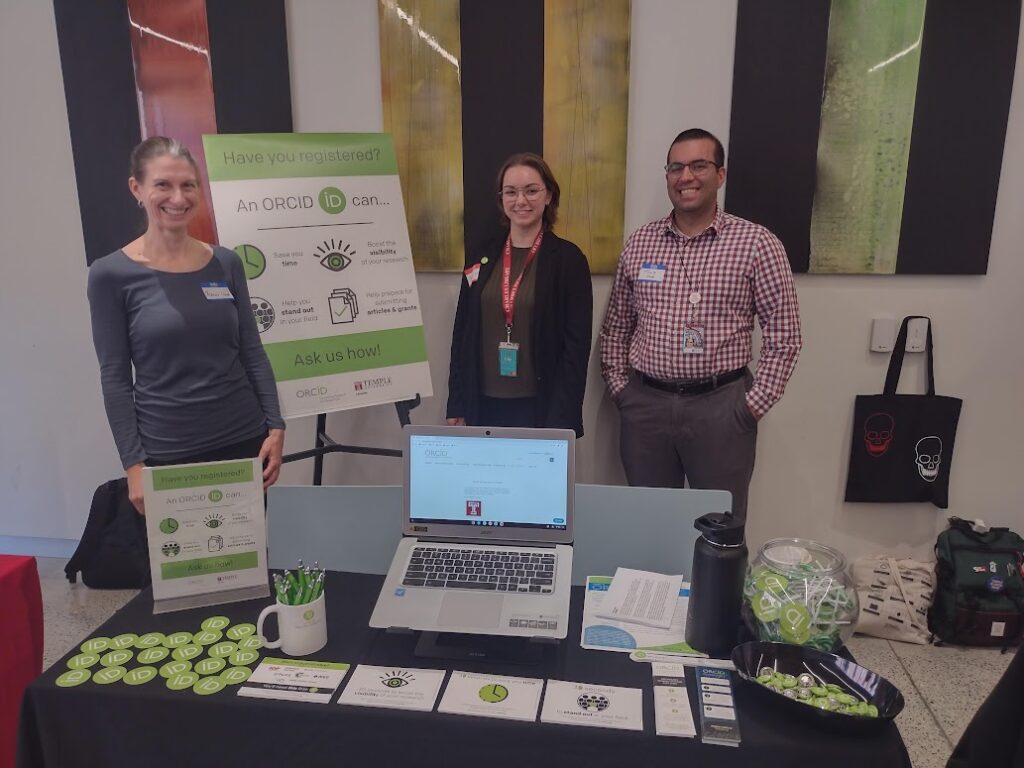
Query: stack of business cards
(600, 706)
(718, 724)
(393, 687)
(510, 698)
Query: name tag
(651, 273)
(215, 291)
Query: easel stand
(325, 445)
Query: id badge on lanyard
(508, 350)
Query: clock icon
(493, 693)
(253, 260)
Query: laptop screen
(488, 481)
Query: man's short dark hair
(692, 134)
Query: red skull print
(878, 432)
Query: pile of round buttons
(808, 690)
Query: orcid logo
(215, 496)
(332, 200)
(307, 615)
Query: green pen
(293, 585)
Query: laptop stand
(492, 648)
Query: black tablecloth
(149, 725)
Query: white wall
(681, 73)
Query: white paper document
(393, 687)
(598, 706)
(511, 698)
(294, 680)
(604, 634)
(641, 597)
(672, 713)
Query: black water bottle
(716, 585)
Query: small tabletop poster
(207, 533)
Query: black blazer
(561, 334)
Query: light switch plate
(883, 334)
(917, 334)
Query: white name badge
(651, 273)
(214, 291)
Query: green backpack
(979, 590)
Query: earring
(141, 205)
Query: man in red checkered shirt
(676, 339)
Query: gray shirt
(201, 377)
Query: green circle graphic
(242, 658)
(215, 622)
(149, 640)
(172, 668)
(221, 650)
(253, 261)
(95, 645)
(177, 639)
(332, 200)
(235, 675)
(208, 685)
(209, 666)
(73, 677)
(493, 693)
(83, 661)
(216, 495)
(207, 637)
(307, 615)
(186, 652)
(109, 675)
(168, 525)
(116, 658)
(153, 655)
(251, 643)
(240, 631)
(182, 680)
(140, 675)
(127, 640)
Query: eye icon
(396, 678)
(335, 255)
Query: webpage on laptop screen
(488, 481)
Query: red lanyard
(508, 295)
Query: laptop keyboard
(496, 570)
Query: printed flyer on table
(319, 223)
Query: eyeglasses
(530, 193)
(697, 167)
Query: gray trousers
(708, 439)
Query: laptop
(487, 532)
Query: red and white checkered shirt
(739, 269)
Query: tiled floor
(943, 687)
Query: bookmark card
(672, 713)
(294, 680)
(600, 706)
(718, 724)
(393, 687)
(511, 698)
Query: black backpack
(979, 590)
(113, 553)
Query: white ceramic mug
(303, 628)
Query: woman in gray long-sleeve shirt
(177, 311)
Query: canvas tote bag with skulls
(902, 445)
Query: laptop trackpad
(469, 610)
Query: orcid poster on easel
(319, 223)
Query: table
(21, 642)
(93, 725)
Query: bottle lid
(720, 528)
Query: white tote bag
(894, 597)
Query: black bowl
(856, 680)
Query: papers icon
(343, 305)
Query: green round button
(172, 668)
(153, 655)
(772, 582)
(208, 685)
(242, 658)
(220, 650)
(795, 623)
(209, 666)
(150, 640)
(182, 680)
(140, 675)
(95, 645)
(186, 652)
(83, 660)
(109, 675)
(765, 606)
(116, 658)
(127, 640)
(216, 622)
(251, 643)
(177, 639)
(73, 677)
(239, 631)
(235, 675)
(207, 637)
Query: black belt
(693, 386)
